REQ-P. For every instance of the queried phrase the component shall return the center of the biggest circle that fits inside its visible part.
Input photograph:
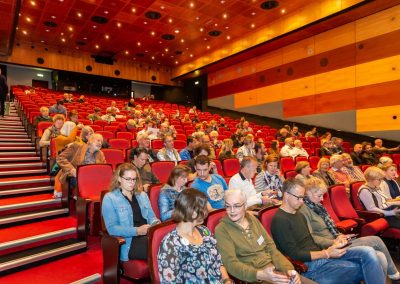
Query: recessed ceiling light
(208, 47)
(139, 43)
(216, 25)
(176, 31)
(97, 46)
(197, 18)
(162, 54)
(228, 37)
(62, 34)
(107, 36)
(85, 38)
(225, 15)
(146, 51)
(162, 7)
(133, 10)
(182, 40)
(94, 27)
(252, 26)
(70, 29)
(191, 55)
(63, 39)
(176, 62)
(42, 41)
(25, 32)
(53, 17)
(106, 12)
(118, 25)
(166, 50)
(227, 28)
(28, 19)
(205, 38)
(253, 13)
(79, 14)
(283, 11)
(145, 22)
(126, 52)
(47, 31)
(153, 33)
(170, 20)
(191, 4)
(201, 29)
(222, 1)
(33, 3)
(153, 58)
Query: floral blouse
(181, 262)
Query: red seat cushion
(136, 269)
(347, 224)
(392, 233)
(375, 227)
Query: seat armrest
(110, 247)
(299, 266)
(82, 217)
(369, 216)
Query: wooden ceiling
(123, 29)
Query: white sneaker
(57, 195)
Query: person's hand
(335, 252)
(340, 242)
(270, 275)
(142, 230)
(268, 192)
(80, 125)
(213, 167)
(294, 277)
(72, 172)
(265, 199)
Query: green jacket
(244, 254)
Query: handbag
(54, 169)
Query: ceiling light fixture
(133, 10)
(97, 46)
(283, 11)
(28, 19)
(126, 52)
(25, 32)
(63, 39)
(118, 25)
(176, 31)
(106, 12)
(170, 20)
(138, 43)
(153, 33)
(182, 40)
(79, 14)
(191, 5)
(252, 26)
(191, 55)
(162, 7)
(33, 3)
(228, 37)
(201, 29)
(166, 50)
(208, 47)
(53, 17)
(225, 16)
(40, 75)
(70, 29)
(107, 36)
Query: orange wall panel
(378, 71)
(298, 88)
(344, 78)
(377, 95)
(299, 106)
(378, 119)
(335, 101)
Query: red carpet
(23, 199)
(62, 271)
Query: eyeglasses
(129, 179)
(298, 197)
(233, 207)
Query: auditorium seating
(154, 194)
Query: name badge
(260, 240)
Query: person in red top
(127, 126)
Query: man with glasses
(168, 153)
(140, 159)
(335, 264)
(248, 252)
(212, 185)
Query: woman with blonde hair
(323, 172)
(226, 150)
(127, 212)
(270, 180)
(303, 170)
(373, 199)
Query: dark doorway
(40, 84)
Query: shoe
(57, 195)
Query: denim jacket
(166, 201)
(118, 217)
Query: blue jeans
(359, 263)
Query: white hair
(67, 127)
(237, 193)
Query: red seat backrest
(100, 122)
(157, 144)
(106, 135)
(110, 128)
(162, 170)
(125, 135)
(314, 162)
(396, 158)
(290, 174)
(122, 144)
(156, 235)
(213, 219)
(354, 187)
(231, 167)
(301, 158)
(341, 203)
(93, 179)
(154, 193)
(219, 167)
(364, 167)
(287, 164)
(113, 156)
(181, 137)
(266, 216)
(179, 144)
(96, 128)
(328, 206)
(42, 126)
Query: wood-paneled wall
(77, 62)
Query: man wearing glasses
(337, 263)
(212, 185)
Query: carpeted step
(22, 166)
(24, 182)
(19, 159)
(17, 148)
(21, 154)
(16, 218)
(24, 191)
(13, 173)
(7, 123)
(36, 255)
(16, 140)
(16, 143)
(13, 205)
(13, 129)
(31, 235)
(14, 135)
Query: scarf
(321, 212)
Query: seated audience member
(295, 132)
(247, 150)
(187, 153)
(274, 149)
(169, 192)
(237, 233)
(193, 110)
(73, 116)
(113, 107)
(323, 172)
(327, 136)
(222, 123)
(282, 135)
(298, 150)
(128, 126)
(132, 103)
(79, 154)
(336, 162)
(127, 212)
(237, 140)
(269, 180)
(312, 133)
(326, 148)
(261, 154)
(58, 108)
(53, 131)
(214, 125)
(246, 129)
(335, 264)
(288, 149)
(337, 147)
(356, 155)
(215, 143)
(109, 116)
(186, 118)
(200, 150)
(140, 159)
(205, 139)
(239, 125)
(96, 115)
(303, 170)
(353, 173)
(378, 149)
(325, 233)
(385, 161)
(243, 181)
(212, 185)
(81, 99)
(389, 185)
(226, 150)
(44, 116)
(67, 98)
(189, 254)
(368, 156)
(374, 199)
(168, 152)
(86, 132)
(150, 129)
(67, 135)
(166, 129)
(144, 142)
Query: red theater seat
(213, 219)
(231, 167)
(114, 157)
(154, 194)
(162, 170)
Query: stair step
(29, 235)
(42, 189)
(4, 123)
(39, 254)
(92, 279)
(8, 135)
(28, 203)
(23, 182)
(12, 219)
(8, 140)
(14, 129)
(18, 159)
(23, 153)
(17, 143)
(21, 166)
(22, 172)
(17, 148)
